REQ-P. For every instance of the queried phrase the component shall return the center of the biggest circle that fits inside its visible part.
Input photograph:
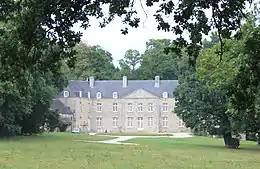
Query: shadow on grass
(252, 148)
(43, 136)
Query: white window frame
(80, 93)
(115, 122)
(165, 121)
(130, 121)
(150, 107)
(115, 95)
(165, 95)
(181, 123)
(99, 95)
(140, 123)
(165, 107)
(130, 107)
(99, 122)
(99, 107)
(66, 94)
(115, 107)
(140, 107)
(150, 121)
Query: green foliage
(64, 123)
(129, 65)
(156, 62)
(201, 109)
(91, 61)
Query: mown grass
(55, 150)
(137, 134)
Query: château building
(122, 105)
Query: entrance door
(140, 123)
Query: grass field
(137, 134)
(57, 150)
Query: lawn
(137, 134)
(58, 150)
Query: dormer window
(98, 95)
(115, 95)
(66, 94)
(80, 93)
(165, 95)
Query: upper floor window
(140, 107)
(165, 95)
(130, 107)
(165, 107)
(150, 107)
(115, 95)
(115, 109)
(66, 94)
(99, 107)
(99, 95)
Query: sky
(111, 39)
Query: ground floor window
(130, 121)
(165, 121)
(150, 121)
(140, 123)
(99, 121)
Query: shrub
(64, 122)
(233, 143)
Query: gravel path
(120, 139)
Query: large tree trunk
(227, 136)
(226, 130)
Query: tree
(92, 61)
(128, 65)
(156, 62)
(200, 108)
(131, 59)
(237, 76)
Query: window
(99, 121)
(150, 107)
(114, 107)
(130, 107)
(80, 93)
(115, 95)
(165, 122)
(165, 95)
(115, 122)
(130, 121)
(66, 94)
(150, 121)
(181, 123)
(98, 95)
(99, 107)
(140, 107)
(165, 107)
(140, 123)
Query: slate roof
(107, 87)
(58, 105)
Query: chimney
(91, 82)
(157, 81)
(124, 81)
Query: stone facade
(141, 109)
